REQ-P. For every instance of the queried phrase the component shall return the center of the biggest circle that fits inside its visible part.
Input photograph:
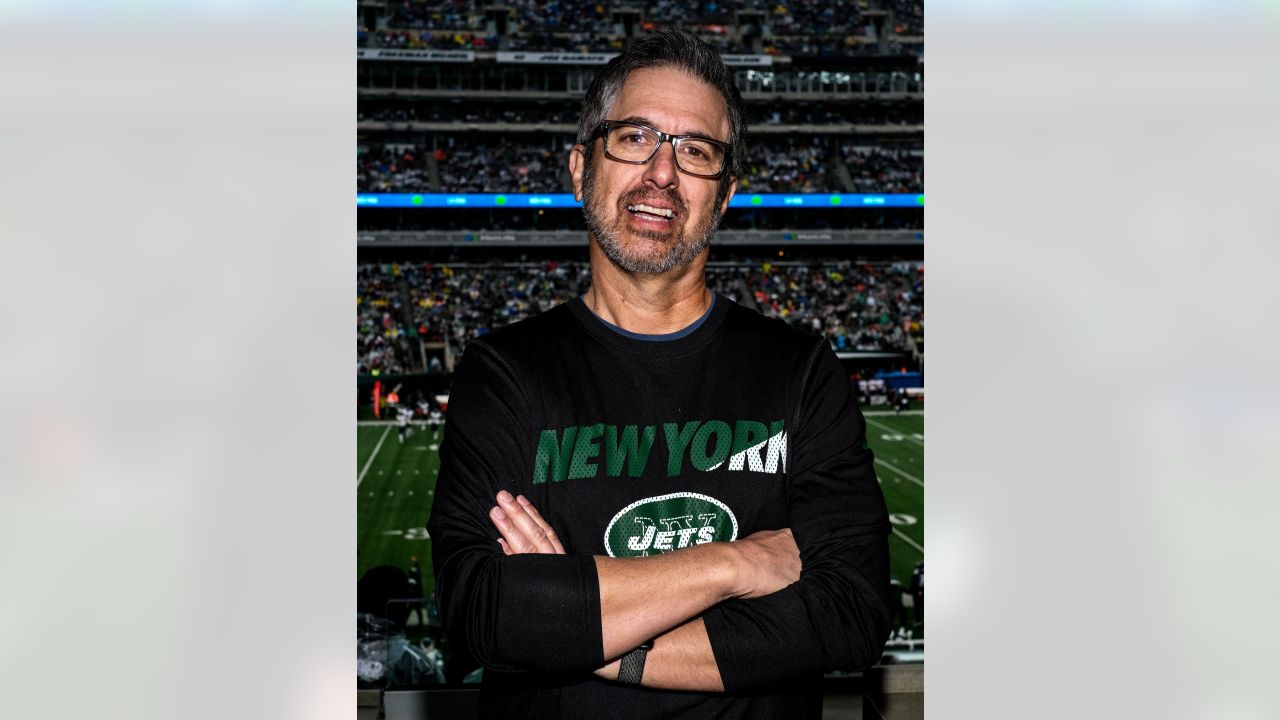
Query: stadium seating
(564, 113)
(858, 306)
(884, 170)
(492, 163)
(381, 337)
(820, 28)
(499, 166)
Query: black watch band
(632, 667)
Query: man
(404, 419)
(415, 590)
(653, 502)
(435, 418)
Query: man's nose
(661, 168)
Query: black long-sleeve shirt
(632, 447)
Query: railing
(884, 692)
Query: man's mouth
(649, 212)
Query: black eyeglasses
(637, 144)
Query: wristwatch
(632, 667)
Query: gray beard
(682, 251)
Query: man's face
(637, 241)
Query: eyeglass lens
(634, 143)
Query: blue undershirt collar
(662, 337)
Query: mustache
(643, 195)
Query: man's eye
(694, 151)
(634, 138)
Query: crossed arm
(539, 609)
(696, 578)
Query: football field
(395, 483)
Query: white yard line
(907, 540)
(895, 431)
(369, 463)
(887, 413)
(908, 476)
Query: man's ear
(577, 163)
(733, 188)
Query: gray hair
(659, 49)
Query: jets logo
(669, 522)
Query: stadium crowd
(390, 169)
(455, 303)
(861, 114)
(579, 42)
(381, 335)
(908, 16)
(884, 170)
(806, 27)
(858, 306)
(504, 166)
(494, 163)
(566, 113)
(787, 165)
(522, 16)
(432, 40)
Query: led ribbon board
(565, 200)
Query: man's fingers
(532, 536)
(512, 538)
(546, 526)
(522, 527)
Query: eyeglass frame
(602, 131)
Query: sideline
(369, 463)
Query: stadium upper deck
(834, 95)
(809, 27)
(484, 118)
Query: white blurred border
(1102, 388)
(176, 522)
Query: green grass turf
(898, 444)
(394, 497)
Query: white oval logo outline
(659, 498)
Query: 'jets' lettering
(677, 533)
(645, 539)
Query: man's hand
(522, 527)
(767, 562)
